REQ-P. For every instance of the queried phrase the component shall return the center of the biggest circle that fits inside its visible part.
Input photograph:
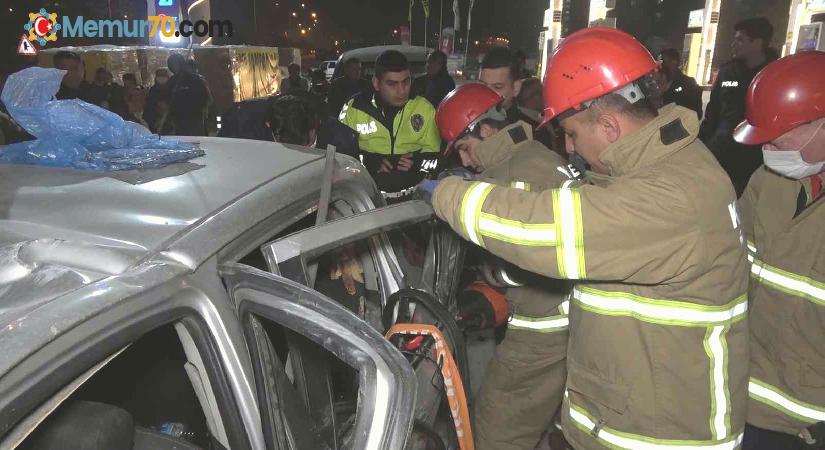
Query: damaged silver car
(236, 301)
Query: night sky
(365, 21)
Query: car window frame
(336, 329)
(46, 372)
(289, 256)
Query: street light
(314, 15)
(294, 14)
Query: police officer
(398, 136)
(531, 356)
(677, 87)
(658, 346)
(783, 216)
(727, 100)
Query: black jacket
(433, 89)
(684, 92)
(151, 112)
(342, 89)
(545, 135)
(725, 111)
(190, 98)
(82, 92)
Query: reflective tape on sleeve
(548, 324)
(516, 232)
(471, 209)
(568, 216)
(772, 396)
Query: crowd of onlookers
(175, 104)
(178, 100)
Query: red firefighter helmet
(461, 109)
(591, 63)
(785, 94)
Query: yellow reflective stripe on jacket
(771, 396)
(664, 312)
(567, 210)
(621, 440)
(516, 232)
(477, 224)
(524, 186)
(569, 240)
(787, 282)
(471, 209)
(717, 351)
(549, 324)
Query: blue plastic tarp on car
(76, 134)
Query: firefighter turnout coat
(783, 222)
(524, 383)
(658, 350)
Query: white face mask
(790, 163)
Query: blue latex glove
(462, 172)
(425, 190)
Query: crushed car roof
(136, 211)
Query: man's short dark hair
(291, 118)
(130, 77)
(439, 56)
(499, 57)
(643, 109)
(671, 53)
(390, 61)
(756, 28)
(64, 54)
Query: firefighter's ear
(375, 83)
(610, 127)
(487, 131)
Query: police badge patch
(417, 122)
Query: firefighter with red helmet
(783, 215)
(531, 356)
(658, 339)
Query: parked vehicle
(417, 57)
(201, 306)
